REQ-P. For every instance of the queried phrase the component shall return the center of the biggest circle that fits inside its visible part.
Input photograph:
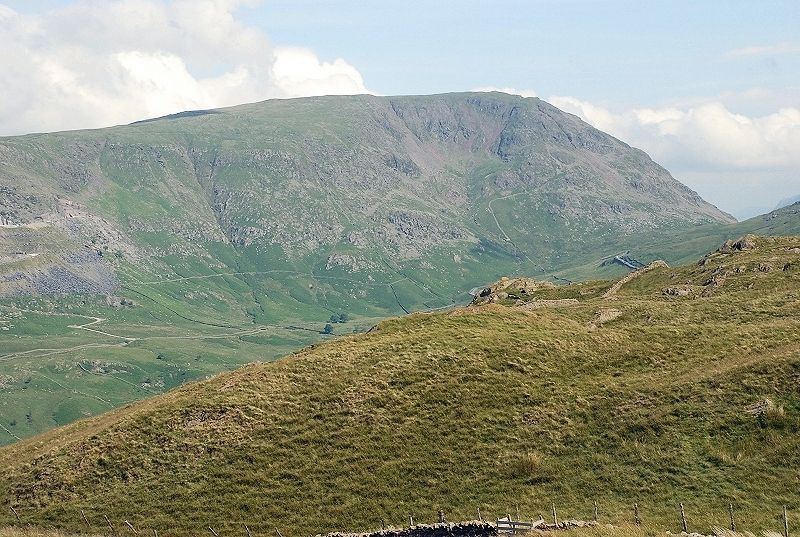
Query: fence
(477, 528)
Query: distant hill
(787, 202)
(685, 246)
(676, 385)
(241, 232)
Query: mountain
(329, 186)
(787, 202)
(137, 257)
(673, 384)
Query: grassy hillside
(681, 387)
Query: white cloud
(299, 72)
(95, 63)
(702, 136)
(764, 50)
(595, 115)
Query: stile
(508, 526)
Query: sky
(711, 89)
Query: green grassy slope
(479, 407)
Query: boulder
(745, 243)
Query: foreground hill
(678, 384)
(241, 232)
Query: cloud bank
(96, 63)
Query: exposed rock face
(522, 286)
(745, 243)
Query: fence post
(595, 510)
(480, 518)
(683, 520)
(109, 524)
(518, 517)
(245, 529)
(785, 523)
(155, 533)
(83, 515)
(213, 532)
(410, 521)
(442, 520)
(555, 517)
(733, 520)
(131, 527)
(636, 519)
(15, 512)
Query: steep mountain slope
(241, 232)
(678, 386)
(334, 187)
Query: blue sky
(625, 53)
(710, 89)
